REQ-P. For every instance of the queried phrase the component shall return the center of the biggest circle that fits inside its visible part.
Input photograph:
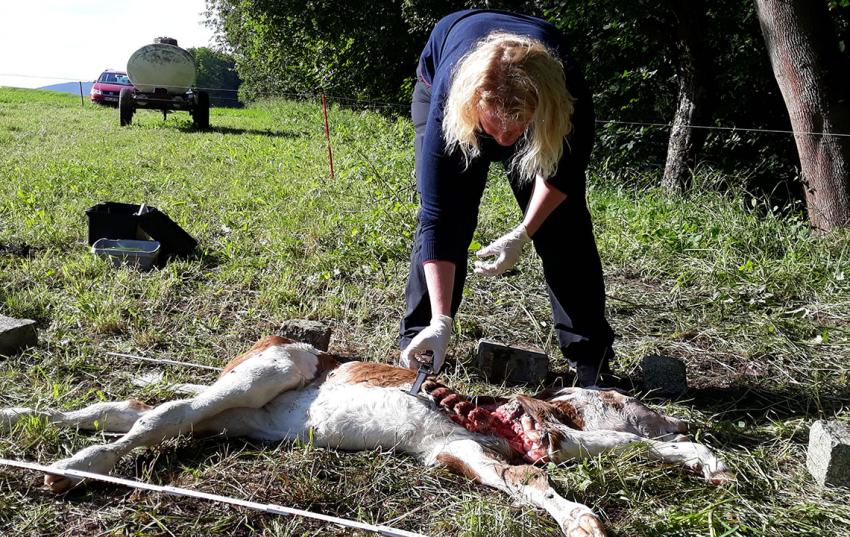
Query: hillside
(754, 304)
(69, 87)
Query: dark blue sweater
(442, 208)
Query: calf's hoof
(94, 459)
(58, 483)
(721, 478)
(585, 525)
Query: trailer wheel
(125, 106)
(201, 110)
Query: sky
(55, 41)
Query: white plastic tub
(132, 253)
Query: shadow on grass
(238, 131)
(758, 404)
(753, 402)
(738, 408)
(208, 260)
(16, 250)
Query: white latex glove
(506, 249)
(435, 338)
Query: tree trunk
(692, 70)
(809, 69)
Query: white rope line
(163, 361)
(178, 491)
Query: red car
(107, 87)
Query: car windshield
(114, 78)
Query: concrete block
(16, 334)
(315, 333)
(501, 363)
(663, 375)
(828, 457)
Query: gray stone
(315, 333)
(16, 334)
(501, 363)
(828, 457)
(663, 375)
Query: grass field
(756, 305)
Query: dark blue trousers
(567, 249)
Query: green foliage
(368, 51)
(629, 56)
(615, 44)
(355, 50)
(839, 12)
(217, 74)
(422, 15)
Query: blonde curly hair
(519, 79)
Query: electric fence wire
(369, 104)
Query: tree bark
(809, 69)
(693, 73)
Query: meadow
(753, 302)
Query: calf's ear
(549, 393)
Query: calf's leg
(524, 482)
(692, 456)
(117, 417)
(250, 384)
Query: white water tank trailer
(163, 77)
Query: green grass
(755, 304)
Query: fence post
(82, 103)
(328, 136)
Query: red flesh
(502, 421)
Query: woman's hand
(505, 249)
(434, 338)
